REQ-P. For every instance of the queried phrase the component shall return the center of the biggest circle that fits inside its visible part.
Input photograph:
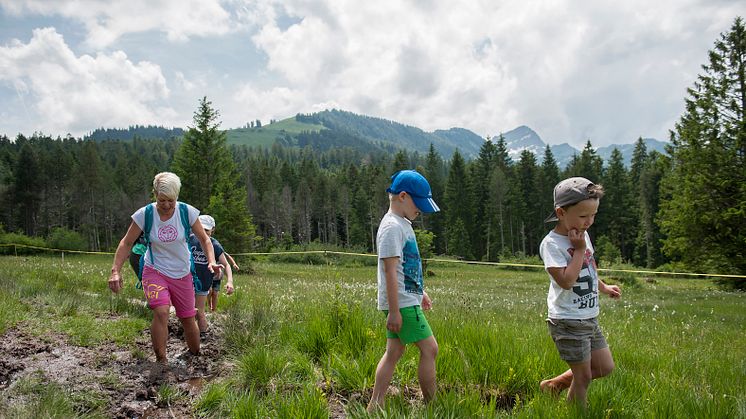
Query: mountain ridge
(338, 128)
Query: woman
(166, 277)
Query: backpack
(184, 216)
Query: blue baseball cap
(413, 183)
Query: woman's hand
(115, 282)
(229, 288)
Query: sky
(572, 70)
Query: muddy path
(126, 378)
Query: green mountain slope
(266, 135)
(340, 129)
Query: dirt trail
(127, 376)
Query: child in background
(212, 296)
(400, 288)
(573, 302)
(204, 275)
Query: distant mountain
(140, 131)
(334, 128)
(628, 149)
(524, 138)
(337, 128)
(403, 136)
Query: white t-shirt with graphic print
(167, 241)
(396, 238)
(581, 301)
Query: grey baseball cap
(568, 192)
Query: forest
(685, 209)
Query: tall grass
(301, 335)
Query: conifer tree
(481, 170)
(27, 188)
(648, 243)
(528, 203)
(434, 169)
(210, 181)
(459, 208)
(614, 219)
(703, 214)
(548, 177)
(203, 159)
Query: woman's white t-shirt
(581, 301)
(167, 241)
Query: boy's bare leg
(384, 372)
(199, 302)
(581, 379)
(213, 297)
(426, 370)
(602, 363)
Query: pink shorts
(161, 290)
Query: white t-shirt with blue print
(396, 239)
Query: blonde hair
(168, 184)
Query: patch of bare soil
(128, 376)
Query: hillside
(335, 128)
(266, 135)
(139, 131)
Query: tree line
(685, 209)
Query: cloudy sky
(573, 70)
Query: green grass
(300, 334)
(266, 135)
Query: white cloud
(76, 94)
(607, 71)
(107, 20)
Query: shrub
(62, 238)
(22, 240)
(607, 253)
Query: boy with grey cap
(573, 302)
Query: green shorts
(414, 326)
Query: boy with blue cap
(400, 289)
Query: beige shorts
(576, 339)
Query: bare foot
(549, 386)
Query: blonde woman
(166, 274)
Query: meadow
(303, 340)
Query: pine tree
(614, 219)
(502, 158)
(401, 162)
(495, 222)
(480, 175)
(27, 188)
(648, 243)
(460, 208)
(639, 157)
(210, 181)
(548, 177)
(434, 173)
(528, 203)
(202, 160)
(703, 214)
(588, 165)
